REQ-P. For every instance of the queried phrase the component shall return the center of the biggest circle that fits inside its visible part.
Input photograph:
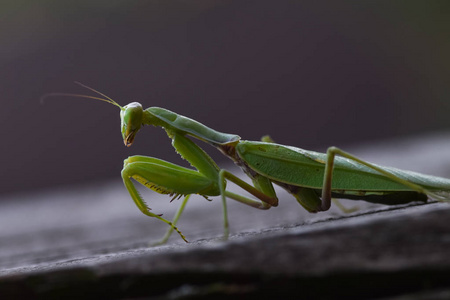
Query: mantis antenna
(106, 99)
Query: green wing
(306, 168)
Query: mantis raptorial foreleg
(168, 178)
(162, 177)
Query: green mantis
(312, 178)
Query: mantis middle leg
(262, 189)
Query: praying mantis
(312, 178)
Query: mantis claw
(176, 197)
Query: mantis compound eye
(131, 121)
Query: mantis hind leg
(328, 176)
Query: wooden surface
(93, 240)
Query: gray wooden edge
(95, 237)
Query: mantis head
(131, 121)
(130, 115)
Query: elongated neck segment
(173, 122)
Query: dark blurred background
(310, 73)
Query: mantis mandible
(312, 178)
